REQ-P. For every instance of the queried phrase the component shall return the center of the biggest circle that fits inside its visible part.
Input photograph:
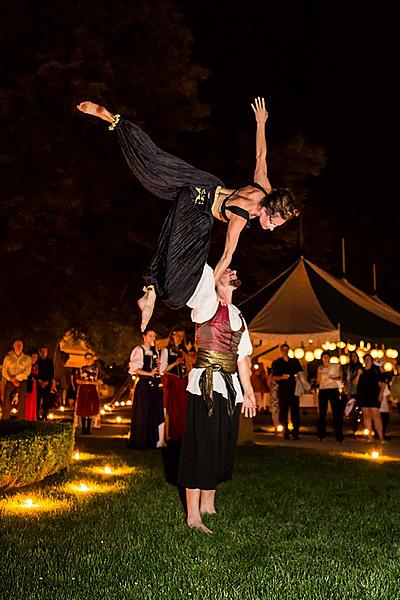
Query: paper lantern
(374, 353)
(334, 360)
(309, 356)
(343, 359)
(317, 353)
(291, 353)
(360, 353)
(351, 347)
(380, 354)
(341, 345)
(299, 353)
(391, 353)
(326, 346)
(388, 367)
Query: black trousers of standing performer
(287, 400)
(330, 395)
(43, 401)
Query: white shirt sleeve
(136, 360)
(204, 301)
(245, 347)
(163, 360)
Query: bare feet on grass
(200, 526)
(146, 304)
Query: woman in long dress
(197, 197)
(147, 422)
(174, 380)
(31, 390)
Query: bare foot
(208, 511)
(146, 304)
(200, 526)
(90, 108)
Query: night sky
(76, 230)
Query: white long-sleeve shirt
(204, 304)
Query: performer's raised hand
(249, 406)
(260, 111)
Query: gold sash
(226, 364)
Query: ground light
(22, 506)
(62, 409)
(280, 428)
(85, 488)
(77, 455)
(115, 471)
(366, 432)
(50, 416)
(118, 420)
(375, 454)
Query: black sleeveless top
(237, 210)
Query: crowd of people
(359, 392)
(29, 389)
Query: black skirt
(147, 414)
(183, 245)
(208, 445)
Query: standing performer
(215, 392)
(174, 379)
(147, 423)
(197, 197)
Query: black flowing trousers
(184, 241)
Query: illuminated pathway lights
(33, 505)
(117, 471)
(87, 488)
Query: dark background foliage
(76, 230)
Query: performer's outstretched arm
(235, 226)
(260, 173)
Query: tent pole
(343, 259)
(374, 277)
(301, 237)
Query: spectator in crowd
(147, 423)
(284, 371)
(273, 400)
(384, 408)
(260, 385)
(72, 387)
(369, 389)
(192, 355)
(351, 376)
(329, 378)
(395, 385)
(16, 370)
(87, 399)
(174, 371)
(31, 390)
(45, 382)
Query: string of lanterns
(345, 349)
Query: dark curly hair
(280, 202)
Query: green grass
(293, 524)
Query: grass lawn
(293, 524)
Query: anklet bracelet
(114, 123)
